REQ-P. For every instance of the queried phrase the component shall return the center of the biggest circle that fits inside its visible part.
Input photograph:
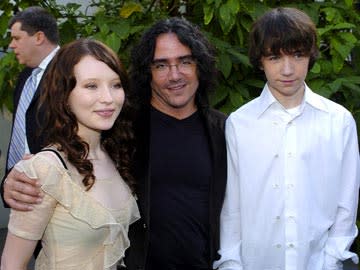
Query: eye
(117, 85)
(160, 66)
(186, 62)
(298, 54)
(273, 57)
(91, 86)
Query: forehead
(90, 67)
(169, 47)
(16, 29)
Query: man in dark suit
(34, 40)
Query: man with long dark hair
(181, 153)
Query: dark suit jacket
(139, 232)
(34, 138)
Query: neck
(44, 51)
(178, 113)
(94, 142)
(290, 101)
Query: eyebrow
(188, 56)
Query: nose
(174, 73)
(12, 44)
(288, 65)
(106, 95)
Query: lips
(105, 113)
(175, 87)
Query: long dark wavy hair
(142, 56)
(286, 29)
(60, 126)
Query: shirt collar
(266, 99)
(44, 63)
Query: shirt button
(275, 186)
(277, 217)
(276, 155)
(278, 246)
(291, 246)
(289, 186)
(289, 154)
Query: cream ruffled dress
(78, 229)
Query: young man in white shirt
(293, 161)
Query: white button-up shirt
(293, 185)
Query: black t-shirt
(180, 167)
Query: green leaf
(225, 64)
(104, 28)
(353, 79)
(234, 6)
(341, 26)
(342, 48)
(225, 18)
(324, 91)
(121, 28)
(335, 85)
(338, 63)
(67, 32)
(113, 41)
(208, 14)
(129, 8)
(348, 37)
(4, 19)
(349, 3)
(330, 13)
(236, 99)
(244, 59)
(219, 95)
(316, 68)
(316, 84)
(254, 83)
(352, 86)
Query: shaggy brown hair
(286, 29)
(60, 124)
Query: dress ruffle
(83, 207)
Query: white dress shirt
(293, 185)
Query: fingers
(20, 192)
(17, 179)
(18, 205)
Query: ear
(40, 37)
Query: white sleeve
(230, 237)
(343, 232)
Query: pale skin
(285, 74)
(173, 94)
(96, 101)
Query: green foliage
(119, 23)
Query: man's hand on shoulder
(21, 192)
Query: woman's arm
(17, 252)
